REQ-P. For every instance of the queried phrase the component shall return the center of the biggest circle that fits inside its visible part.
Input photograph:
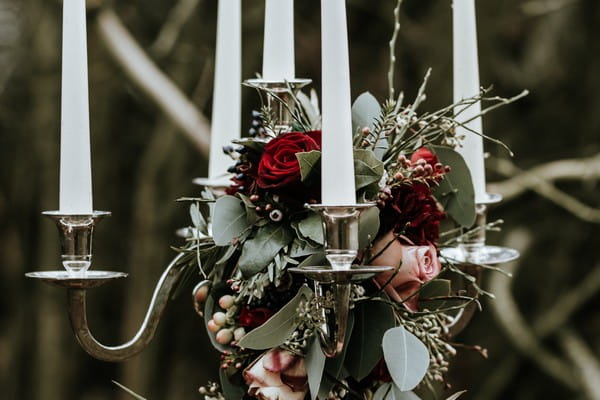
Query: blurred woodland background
(151, 71)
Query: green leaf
(254, 144)
(434, 288)
(315, 364)
(251, 214)
(455, 192)
(456, 395)
(367, 168)
(301, 248)
(259, 251)
(279, 327)
(372, 320)
(368, 226)
(229, 220)
(316, 260)
(310, 164)
(406, 357)
(389, 391)
(365, 111)
(309, 110)
(230, 391)
(311, 227)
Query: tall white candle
(227, 96)
(278, 50)
(337, 161)
(75, 158)
(466, 84)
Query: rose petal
(295, 376)
(277, 360)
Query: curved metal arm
(160, 298)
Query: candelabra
(76, 233)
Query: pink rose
(414, 265)
(277, 375)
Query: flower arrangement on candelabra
(269, 294)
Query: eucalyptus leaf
(309, 109)
(367, 168)
(383, 392)
(315, 364)
(372, 320)
(406, 357)
(254, 144)
(316, 259)
(310, 164)
(229, 220)
(277, 329)
(368, 226)
(301, 248)
(365, 111)
(389, 391)
(311, 227)
(251, 214)
(230, 391)
(455, 192)
(434, 288)
(259, 251)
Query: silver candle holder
(76, 234)
(471, 252)
(280, 99)
(340, 229)
(472, 247)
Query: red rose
(279, 166)
(424, 154)
(413, 212)
(252, 318)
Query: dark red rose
(254, 317)
(279, 166)
(425, 154)
(412, 211)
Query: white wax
(337, 161)
(278, 50)
(227, 96)
(466, 84)
(75, 158)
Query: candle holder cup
(280, 97)
(340, 229)
(76, 232)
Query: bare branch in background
(539, 180)
(536, 8)
(152, 81)
(178, 16)
(10, 32)
(585, 362)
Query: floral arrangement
(263, 319)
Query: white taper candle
(227, 96)
(278, 50)
(337, 160)
(75, 156)
(466, 84)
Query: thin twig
(393, 49)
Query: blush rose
(414, 265)
(277, 375)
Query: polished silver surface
(76, 296)
(87, 280)
(340, 232)
(279, 99)
(76, 234)
(340, 281)
(326, 274)
(486, 255)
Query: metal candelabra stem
(280, 99)
(340, 229)
(76, 237)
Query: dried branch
(392, 45)
(586, 364)
(178, 16)
(140, 69)
(510, 319)
(539, 180)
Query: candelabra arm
(464, 316)
(160, 298)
